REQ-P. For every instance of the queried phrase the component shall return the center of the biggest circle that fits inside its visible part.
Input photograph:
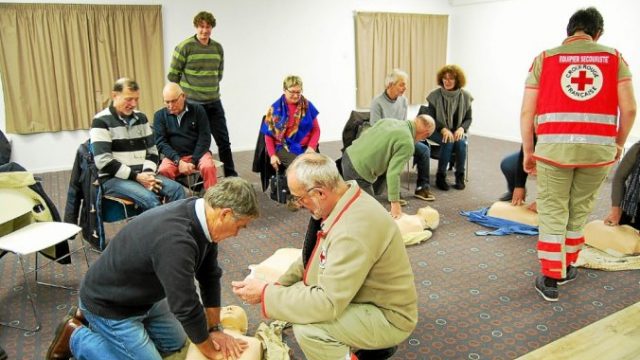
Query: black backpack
(279, 188)
(357, 123)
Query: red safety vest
(578, 99)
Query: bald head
(174, 98)
(425, 126)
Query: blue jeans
(146, 199)
(509, 167)
(147, 336)
(446, 151)
(220, 133)
(421, 158)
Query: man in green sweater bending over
(384, 149)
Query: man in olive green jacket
(383, 150)
(355, 290)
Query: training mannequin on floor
(275, 265)
(523, 214)
(417, 228)
(234, 322)
(619, 241)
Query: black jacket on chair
(261, 162)
(82, 206)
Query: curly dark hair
(588, 20)
(456, 71)
(206, 17)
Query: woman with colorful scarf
(625, 191)
(450, 106)
(290, 126)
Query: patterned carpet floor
(476, 293)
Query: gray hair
(426, 120)
(236, 194)
(395, 76)
(316, 170)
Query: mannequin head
(425, 218)
(429, 216)
(234, 318)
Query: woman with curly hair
(450, 106)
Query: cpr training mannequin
(275, 265)
(234, 322)
(619, 240)
(523, 214)
(417, 228)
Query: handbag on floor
(279, 188)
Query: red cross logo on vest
(581, 82)
(323, 257)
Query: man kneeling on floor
(355, 291)
(139, 299)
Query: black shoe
(506, 196)
(547, 288)
(460, 185)
(380, 354)
(572, 273)
(441, 182)
(3, 354)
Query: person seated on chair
(290, 126)
(182, 135)
(384, 149)
(124, 151)
(139, 299)
(391, 104)
(625, 191)
(357, 291)
(450, 106)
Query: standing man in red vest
(579, 102)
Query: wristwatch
(215, 327)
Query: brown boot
(59, 348)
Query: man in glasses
(139, 299)
(182, 135)
(352, 290)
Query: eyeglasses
(296, 199)
(299, 92)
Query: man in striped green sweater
(197, 65)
